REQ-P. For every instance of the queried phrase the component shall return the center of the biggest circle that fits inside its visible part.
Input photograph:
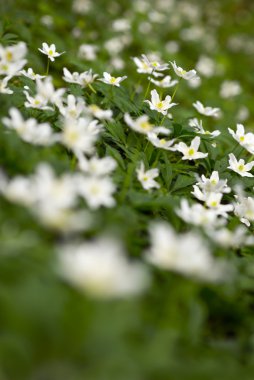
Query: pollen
(191, 152)
(241, 168)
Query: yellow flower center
(213, 182)
(51, 52)
(241, 167)
(146, 125)
(9, 56)
(160, 105)
(145, 178)
(242, 138)
(163, 141)
(113, 80)
(191, 152)
(214, 204)
(37, 102)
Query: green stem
(148, 87)
(176, 88)
(91, 88)
(128, 178)
(47, 69)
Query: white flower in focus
(166, 82)
(190, 152)
(207, 111)
(198, 126)
(29, 73)
(100, 269)
(97, 191)
(187, 75)
(146, 178)
(246, 140)
(161, 106)
(108, 79)
(239, 166)
(184, 253)
(50, 51)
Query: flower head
(190, 152)
(187, 75)
(50, 51)
(239, 166)
(113, 81)
(159, 105)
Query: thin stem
(176, 88)
(47, 69)
(91, 88)
(149, 84)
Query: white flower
(12, 59)
(80, 135)
(246, 140)
(207, 111)
(88, 52)
(239, 166)
(74, 108)
(108, 79)
(231, 239)
(29, 73)
(146, 178)
(38, 102)
(159, 105)
(101, 269)
(230, 88)
(244, 209)
(143, 67)
(97, 191)
(50, 51)
(213, 184)
(154, 65)
(184, 253)
(199, 215)
(198, 126)
(142, 125)
(190, 152)
(160, 142)
(166, 82)
(30, 130)
(3, 86)
(206, 66)
(183, 73)
(84, 79)
(99, 113)
(96, 166)
(213, 201)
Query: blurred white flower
(99, 113)
(96, 190)
(80, 135)
(3, 86)
(142, 125)
(96, 166)
(230, 88)
(166, 82)
(183, 253)
(30, 130)
(101, 269)
(29, 73)
(84, 79)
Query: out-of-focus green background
(179, 329)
